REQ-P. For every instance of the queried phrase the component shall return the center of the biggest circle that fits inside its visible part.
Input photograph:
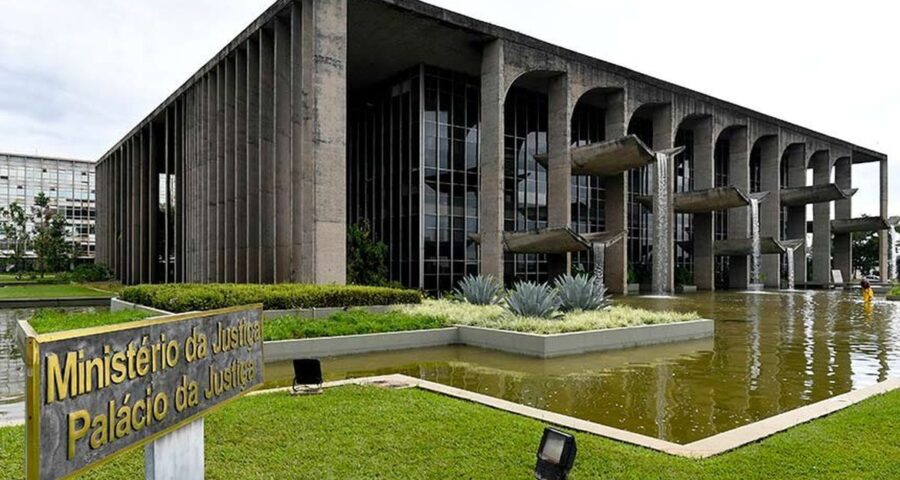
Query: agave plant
(529, 299)
(581, 292)
(479, 290)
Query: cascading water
(892, 253)
(790, 267)
(661, 225)
(756, 249)
(599, 249)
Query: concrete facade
(253, 150)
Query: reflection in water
(12, 370)
(771, 353)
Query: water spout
(756, 248)
(599, 249)
(790, 266)
(662, 228)
(892, 249)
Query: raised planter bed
(353, 344)
(54, 302)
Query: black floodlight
(555, 456)
(307, 376)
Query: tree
(366, 258)
(865, 251)
(50, 246)
(14, 227)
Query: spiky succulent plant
(581, 292)
(529, 299)
(480, 290)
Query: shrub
(366, 257)
(350, 322)
(479, 290)
(581, 292)
(90, 272)
(530, 299)
(198, 297)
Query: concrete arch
(532, 79)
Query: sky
(75, 76)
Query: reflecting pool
(772, 352)
(12, 369)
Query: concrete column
(770, 208)
(266, 157)
(795, 156)
(240, 166)
(227, 175)
(616, 207)
(152, 232)
(821, 247)
(884, 236)
(704, 233)
(219, 174)
(559, 171)
(323, 156)
(283, 160)
(253, 161)
(100, 210)
(134, 179)
(843, 245)
(664, 138)
(209, 168)
(493, 96)
(739, 218)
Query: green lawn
(17, 292)
(366, 432)
(49, 320)
(351, 322)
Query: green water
(772, 352)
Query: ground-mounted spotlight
(307, 376)
(555, 456)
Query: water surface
(772, 352)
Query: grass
(25, 292)
(895, 291)
(48, 320)
(368, 433)
(457, 313)
(351, 322)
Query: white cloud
(76, 76)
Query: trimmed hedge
(197, 297)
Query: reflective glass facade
(70, 185)
(640, 218)
(684, 222)
(721, 159)
(413, 174)
(588, 192)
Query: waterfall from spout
(790, 267)
(599, 249)
(892, 253)
(756, 248)
(661, 242)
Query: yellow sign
(97, 392)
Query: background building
(460, 151)
(68, 183)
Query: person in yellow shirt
(867, 292)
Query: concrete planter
(549, 346)
(685, 288)
(324, 312)
(117, 305)
(55, 302)
(354, 344)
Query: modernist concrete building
(468, 148)
(68, 183)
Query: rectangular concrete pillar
(739, 218)
(493, 93)
(324, 153)
(703, 224)
(253, 161)
(134, 180)
(616, 207)
(283, 160)
(884, 236)
(151, 204)
(227, 175)
(796, 216)
(219, 175)
(664, 138)
(266, 157)
(210, 187)
(240, 166)
(821, 247)
(559, 171)
(843, 209)
(770, 208)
